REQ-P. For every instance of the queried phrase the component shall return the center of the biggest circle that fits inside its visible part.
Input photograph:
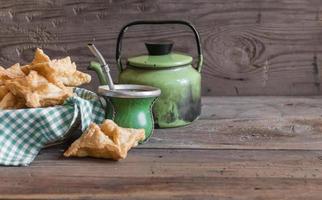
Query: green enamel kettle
(172, 72)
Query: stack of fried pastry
(43, 82)
(107, 140)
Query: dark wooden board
(251, 47)
(249, 123)
(169, 174)
(193, 162)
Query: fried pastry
(75, 79)
(43, 82)
(15, 71)
(9, 101)
(40, 57)
(37, 91)
(10, 73)
(48, 72)
(25, 69)
(57, 71)
(55, 74)
(105, 141)
(3, 91)
(63, 66)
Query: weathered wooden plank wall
(251, 47)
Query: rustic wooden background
(251, 47)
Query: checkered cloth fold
(24, 132)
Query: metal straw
(102, 61)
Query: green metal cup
(130, 106)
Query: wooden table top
(240, 148)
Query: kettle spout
(95, 66)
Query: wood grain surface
(209, 159)
(251, 47)
(169, 174)
(274, 123)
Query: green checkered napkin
(24, 132)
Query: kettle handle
(124, 29)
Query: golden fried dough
(43, 82)
(75, 79)
(40, 57)
(10, 73)
(9, 101)
(37, 91)
(57, 71)
(48, 72)
(105, 141)
(125, 138)
(15, 71)
(61, 71)
(3, 91)
(63, 66)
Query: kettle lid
(160, 56)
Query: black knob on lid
(157, 48)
